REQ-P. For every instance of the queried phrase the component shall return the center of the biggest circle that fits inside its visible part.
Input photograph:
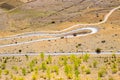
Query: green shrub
(114, 65)
(70, 75)
(34, 77)
(76, 62)
(0, 71)
(31, 65)
(77, 78)
(42, 56)
(82, 68)
(20, 78)
(14, 78)
(77, 73)
(86, 57)
(65, 60)
(95, 63)
(15, 68)
(72, 58)
(56, 69)
(102, 72)
(36, 69)
(49, 73)
(114, 70)
(113, 55)
(111, 78)
(5, 61)
(87, 71)
(68, 69)
(24, 71)
(3, 66)
(43, 66)
(49, 59)
(99, 78)
(6, 72)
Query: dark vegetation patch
(103, 41)
(53, 22)
(62, 37)
(6, 6)
(20, 51)
(98, 50)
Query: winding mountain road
(56, 34)
(91, 24)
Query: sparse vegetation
(54, 67)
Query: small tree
(98, 50)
